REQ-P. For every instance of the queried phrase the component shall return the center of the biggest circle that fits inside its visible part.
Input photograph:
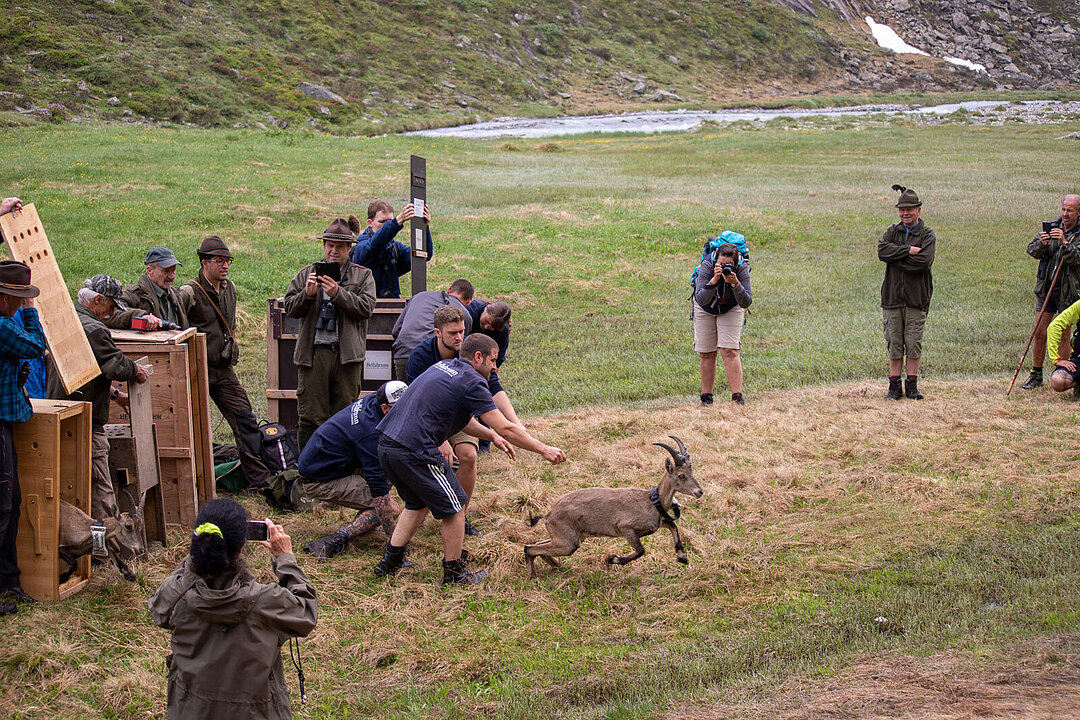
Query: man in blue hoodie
(377, 250)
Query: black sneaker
(1034, 381)
(327, 547)
(737, 398)
(454, 572)
(706, 399)
(7, 608)
(17, 594)
(471, 530)
(393, 559)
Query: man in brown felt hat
(333, 300)
(209, 303)
(19, 340)
(907, 249)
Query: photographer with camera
(209, 302)
(1054, 247)
(333, 300)
(227, 629)
(721, 296)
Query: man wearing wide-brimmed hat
(153, 296)
(19, 340)
(99, 299)
(209, 302)
(333, 316)
(907, 249)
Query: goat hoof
(130, 576)
(613, 560)
(684, 561)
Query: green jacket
(227, 634)
(195, 301)
(141, 298)
(908, 282)
(354, 302)
(114, 366)
(1049, 255)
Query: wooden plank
(281, 395)
(205, 485)
(142, 432)
(272, 412)
(67, 342)
(170, 337)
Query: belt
(328, 346)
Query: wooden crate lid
(165, 337)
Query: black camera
(227, 351)
(727, 268)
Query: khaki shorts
(712, 332)
(350, 491)
(464, 437)
(904, 331)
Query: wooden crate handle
(33, 516)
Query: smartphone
(1047, 227)
(258, 530)
(328, 269)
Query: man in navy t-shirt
(445, 399)
(340, 465)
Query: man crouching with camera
(721, 296)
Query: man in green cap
(907, 249)
(333, 300)
(209, 302)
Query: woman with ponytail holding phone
(227, 629)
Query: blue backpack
(712, 244)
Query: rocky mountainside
(368, 67)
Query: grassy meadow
(955, 519)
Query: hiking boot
(7, 608)
(17, 594)
(895, 390)
(706, 399)
(737, 399)
(327, 547)
(1034, 381)
(393, 559)
(454, 572)
(471, 530)
(911, 388)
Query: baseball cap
(110, 287)
(161, 256)
(390, 392)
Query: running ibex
(631, 513)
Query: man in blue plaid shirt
(18, 341)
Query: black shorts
(1050, 306)
(422, 478)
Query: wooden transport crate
(180, 400)
(281, 375)
(53, 450)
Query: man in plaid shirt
(18, 341)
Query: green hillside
(401, 65)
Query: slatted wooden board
(71, 352)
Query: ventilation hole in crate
(34, 445)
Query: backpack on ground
(285, 492)
(277, 448)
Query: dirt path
(1036, 681)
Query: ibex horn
(682, 446)
(674, 453)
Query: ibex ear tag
(97, 535)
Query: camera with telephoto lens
(727, 268)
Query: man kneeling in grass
(446, 398)
(1065, 375)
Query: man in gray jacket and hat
(907, 249)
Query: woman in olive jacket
(227, 629)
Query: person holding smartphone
(333, 309)
(721, 296)
(227, 629)
(1052, 247)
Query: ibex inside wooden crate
(631, 513)
(122, 535)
